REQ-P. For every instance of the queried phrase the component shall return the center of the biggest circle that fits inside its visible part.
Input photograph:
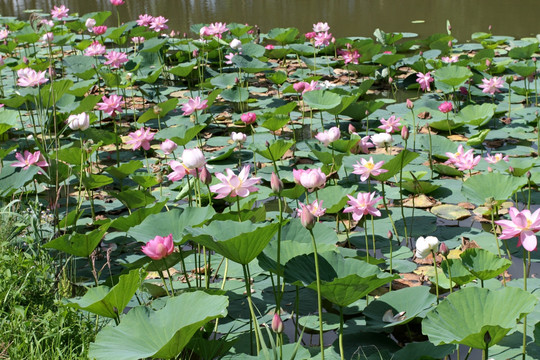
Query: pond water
(346, 17)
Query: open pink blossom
(29, 159)
(159, 247)
(248, 118)
(217, 29)
(179, 170)
(450, 60)
(145, 20)
(363, 204)
(323, 39)
(467, 161)
(111, 104)
(4, 33)
(99, 30)
(304, 87)
(229, 57)
(269, 47)
(350, 56)
(328, 136)
(321, 27)
(193, 105)
(522, 224)
(311, 179)
(424, 80)
(446, 107)
(492, 86)
(366, 168)
(158, 23)
(29, 77)
(362, 146)
(314, 208)
(116, 59)
(493, 159)
(59, 12)
(95, 49)
(310, 35)
(390, 125)
(140, 138)
(452, 157)
(234, 185)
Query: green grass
(33, 322)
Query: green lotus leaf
(419, 187)
(453, 75)
(484, 264)
(343, 280)
(274, 122)
(477, 115)
(238, 241)
(322, 99)
(275, 150)
(460, 274)
(165, 107)
(480, 188)
(283, 35)
(171, 222)
(398, 301)
(164, 333)
(396, 164)
(183, 69)
(109, 302)
(79, 244)
(423, 351)
(450, 212)
(134, 198)
(523, 52)
(466, 315)
(334, 198)
(478, 138)
(180, 134)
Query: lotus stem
(341, 351)
(430, 152)
(436, 275)
(525, 275)
(253, 317)
(184, 266)
(319, 298)
(169, 275)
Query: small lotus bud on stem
(306, 218)
(389, 235)
(509, 79)
(405, 133)
(529, 175)
(276, 184)
(352, 129)
(410, 104)
(443, 249)
(277, 324)
(205, 176)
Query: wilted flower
(424, 246)
(78, 122)
(159, 247)
(363, 204)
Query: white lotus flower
(424, 246)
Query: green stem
(184, 266)
(248, 293)
(525, 275)
(341, 351)
(319, 298)
(169, 275)
(436, 276)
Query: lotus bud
(276, 184)
(488, 62)
(443, 249)
(390, 80)
(277, 324)
(157, 110)
(195, 53)
(529, 175)
(410, 104)
(168, 146)
(367, 112)
(90, 23)
(267, 144)
(511, 170)
(389, 235)
(352, 129)
(405, 133)
(236, 44)
(205, 176)
(421, 53)
(489, 28)
(25, 60)
(306, 218)
(449, 43)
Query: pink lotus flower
(30, 77)
(117, 2)
(450, 60)
(277, 324)
(452, 157)
(78, 122)
(137, 40)
(424, 80)
(59, 12)
(311, 179)
(493, 159)
(193, 158)
(410, 104)
(180, 170)
(328, 136)
(304, 87)
(523, 224)
(145, 20)
(306, 218)
(229, 58)
(366, 168)
(168, 146)
(362, 145)
(193, 105)
(350, 56)
(95, 49)
(90, 23)
(111, 105)
(99, 30)
(492, 85)
(467, 161)
(140, 138)
(47, 38)
(269, 47)
(238, 137)
(323, 39)
(363, 204)
(235, 185)
(158, 24)
(321, 27)
(159, 247)
(4, 33)
(446, 107)
(390, 125)
(248, 118)
(115, 59)
(310, 35)
(217, 29)
(29, 159)
(314, 208)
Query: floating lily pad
(450, 212)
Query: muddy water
(346, 17)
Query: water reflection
(346, 17)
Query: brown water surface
(346, 17)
